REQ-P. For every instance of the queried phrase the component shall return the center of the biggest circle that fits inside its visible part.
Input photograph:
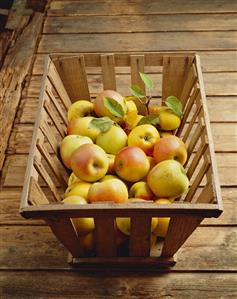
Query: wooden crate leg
(66, 234)
(180, 228)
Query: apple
(151, 161)
(83, 226)
(108, 177)
(163, 222)
(144, 137)
(109, 190)
(168, 179)
(131, 121)
(165, 134)
(89, 162)
(87, 242)
(79, 189)
(72, 179)
(81, 126)
(113, 140)
(131, 164)
(100, 108)
(119, 236)
(69, 144)
(111, 163)
(168, 120)
(141, 190)
(80, 109)
(170, 147)
(153, 240)
(124, 224)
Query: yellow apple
(163, 222)
(131, 164)
(69, 144)
(131, 121)
(108, 177)
(144, 137)
(141, 190)
(124, 224)
(153, 240)
(89, 162)
(168, 120)
(73, 179)
(83, 226)
(80, 109)
(79, 189)
(87, 242)
(100, 108)
(165, 134)
(113, 140)
(109, 190)
(170, 147)
(168, 179)
(81, 126)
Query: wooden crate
(71, 78)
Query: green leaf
(152, 119)
(175, 105)
(147, 80)
(114, 107)
(102, 123)
(137, 91)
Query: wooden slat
(144, 42)
(188, 85)
(192, 121)
(73, 75)
(66, 234)
(36, 195)
(199, 131)
(108, 71)
(137, 65)
(47, 132)
(206, 196)
(212, 61)
(174, 73)
(153, 23)
(180, 228)
(139, 244)
(47, 178)
(105, 237)
(193, 165)
(203, 170)
(121, 7)
(56, 81)
(56, 121)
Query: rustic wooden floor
(33, 263)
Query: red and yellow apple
(79, 188)
(144, 137)
(131, 164)
(163, 222)
(81, 126)
(80, 109)
(89, 162)
(83, 226)
(100, 108)
(109, 190)
(170, 147)
(141, 190)
(168, 179)
(113, 140)
(69, 144)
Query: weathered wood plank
(112, 284)
(149, 23)
(15, 68)
(140, 7)
(214, 83)
(25, 247)
(212, 61)
(144, 42)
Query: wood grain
(125, 7)
(149, 23)
(144, 42)
(25, 247)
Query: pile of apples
(115, 154)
